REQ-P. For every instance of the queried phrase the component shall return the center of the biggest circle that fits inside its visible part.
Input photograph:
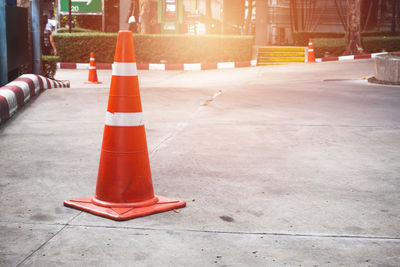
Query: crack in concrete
(383, 238)
(182, 125)
(256, 124)
(245, 233)
(48, 240)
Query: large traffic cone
(92, 70)
(310, 54)
(124, 185)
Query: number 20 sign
(81, 7)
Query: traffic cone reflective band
(124, 187)
(310, 54)
(92, 70)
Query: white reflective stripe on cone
(124, 69)
(124, 119)
(92, 58)
(310, 50)
(92, 68)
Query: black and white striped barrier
(16, 93)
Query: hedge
(48, 67)
(74, 29)
(301, 38)
(377, 44)
(156, 48)
(336, 46)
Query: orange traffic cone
(310, 54)
(92, 70)
(124, 185)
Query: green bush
(74, 29)
(76, 47)
(377, 44)
(377, 33)
(336, 46)
(48, 67)
(301, 38)
(155, 48)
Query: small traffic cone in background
(310, 54)
(92, 70)
(124, 185)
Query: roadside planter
(387, 69)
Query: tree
(303, 15)
(366, 5)
(248, 21)
(394, 9)
(341, 10)
(208, 17)
(353, 28)
(379, 16)
(144, 16)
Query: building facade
(285, 16)
(272, 21)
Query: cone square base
(92, 82)
(122, 214)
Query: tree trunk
(340, 11)
(302, 15)
(368, 16)
(293, 16)
(248, 19)
(379, 19)
(208, 17)
(321, 13)
(353, 28)
(144, 16)
(394, 9)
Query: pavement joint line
(384, 238)
(255, 124)
(77, 121)
(244, 233)
(48, 240)
(182, 125)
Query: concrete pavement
(294, 165)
